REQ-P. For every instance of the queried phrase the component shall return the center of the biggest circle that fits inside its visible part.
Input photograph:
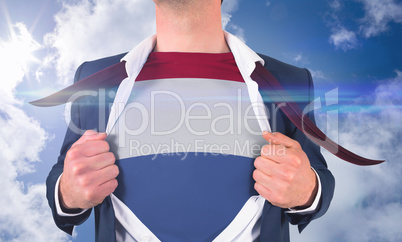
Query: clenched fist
(283, 174)
(89, 173)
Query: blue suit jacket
(275, 222)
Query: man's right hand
(89, 174)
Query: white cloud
(378, 15)
(25, 215)
(340, 37)
(238, 32)
(343, 39)
(225, 19)
(87, 30)
(335, 5)
(368, 203)
(317, 74)
(301, 60)
(399, 74)
(228, 7)
(298, 57)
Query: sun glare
(16, 54)
(19, 50)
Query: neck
(192, 27)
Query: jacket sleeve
(318, 162)
(66, 223)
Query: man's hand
(283, 174)
(89, 174)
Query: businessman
(186, 148)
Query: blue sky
(351, 47)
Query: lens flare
(15, 55)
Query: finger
(267, 166)
(100, 192)
(280, 139)
(270, 188)
(272, 183)
(106, 188)
(106, 174)
(282, 155)
(93, 147)
(263, 191)
(272, 151)
(100, 161)
(262, 178)
(90, 135)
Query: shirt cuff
(57, 202)
(313, 206)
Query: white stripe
(225, 102)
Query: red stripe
(162, 65)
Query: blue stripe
(190, 200)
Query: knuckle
(83, 182)
(255, 175)
(296, 161)
(114, 171)
(72, 154)
(89, 195)
(258, 162)
(105, 145)
(76, 169)
(289, 175)
(117, 170)
(111, 157)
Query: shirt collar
(136, 58)
(244, 56)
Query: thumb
(277, 138)
(90, 135)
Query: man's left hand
(283, 174)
